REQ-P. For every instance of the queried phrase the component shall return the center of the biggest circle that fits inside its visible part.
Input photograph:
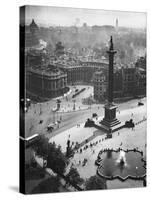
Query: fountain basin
(121, 164)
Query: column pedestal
(110, 122)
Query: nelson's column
(110, 123)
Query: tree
(49, 185)
(56, 160)
(95, 183)
(74, 177)
(41, 146)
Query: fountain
(122, 159)
(121, 164)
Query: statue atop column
(111, 44)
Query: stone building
(100, 85)
(33, 58)
(31, 34)
(128, 82)
(59, 49)
(46, 81)
(134, 81)
(118, 89)
(78, 74)
(83, 73)
(141, 62)
(141, 81)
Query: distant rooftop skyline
(59, 16)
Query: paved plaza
(126, 138)
(43, 111)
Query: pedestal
(110, 122)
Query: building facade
(46, 81)
(83, 73)
(118, 82)
(31, 34)
(100, 86)
(33, 58)
(128, 82)
(141, 81)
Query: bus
(30, 140)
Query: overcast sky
(74, 16)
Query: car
(51, 127)
(140, 103)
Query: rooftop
(49, 70)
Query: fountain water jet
(121, 161)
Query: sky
(59, 16)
